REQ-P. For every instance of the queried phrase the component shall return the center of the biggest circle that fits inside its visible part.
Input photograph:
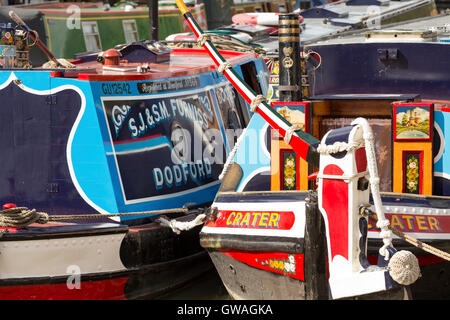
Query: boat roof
(334, 19)
(434, 29)
(183, 62)
(86, 8)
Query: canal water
(207, 287)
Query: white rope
(290, 132)
(256, 102)
(339, 147)
(178, 226)
(374, 180)
(224, 66)
(203, 38)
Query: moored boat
(68, 28)
(96, 153)
(268, 244)
(416, 194)
(382, 76)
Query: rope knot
(256, 102)
(224, 66)
(289, 132)
(203, 38)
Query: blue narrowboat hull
(95, 143)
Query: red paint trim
(110, 289)
(335, 203)
(361, 160)
(278, 220)
(98, 13)
(270, 261)
(423, 260)
(139, 139)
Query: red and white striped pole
(301, 142)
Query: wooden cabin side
(69, 32)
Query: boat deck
(183, 62)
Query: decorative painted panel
(288, 170)
(412, 171)
(412, 121)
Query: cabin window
(130, 31)
(91, 36)
(250, 76)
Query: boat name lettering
(187, 108)
(118, 116)
(169, 85)
(282, 220)
(148, 118)
(116, 88)
(180, 174)
(411, 223)
(253, 220)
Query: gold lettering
(434, 224)
(263, 220)
(409, 220)
(229, 218)
(255, 217)
(246, 220)
(273, 221)
(422, 223)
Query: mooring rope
(22, 216)
(178, 226)
(415, 242)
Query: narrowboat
(311, 209)
(105, 160)
(273, 244)
(396, 60)
(68, 28)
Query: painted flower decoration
(412, 175)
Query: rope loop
(290, 131)
(224, 66)
(256, 102)
(203, 38)
(339, 146)
(178, 226)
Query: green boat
(68, 28)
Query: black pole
(153, 19)
(289, 57)
(316, 287)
